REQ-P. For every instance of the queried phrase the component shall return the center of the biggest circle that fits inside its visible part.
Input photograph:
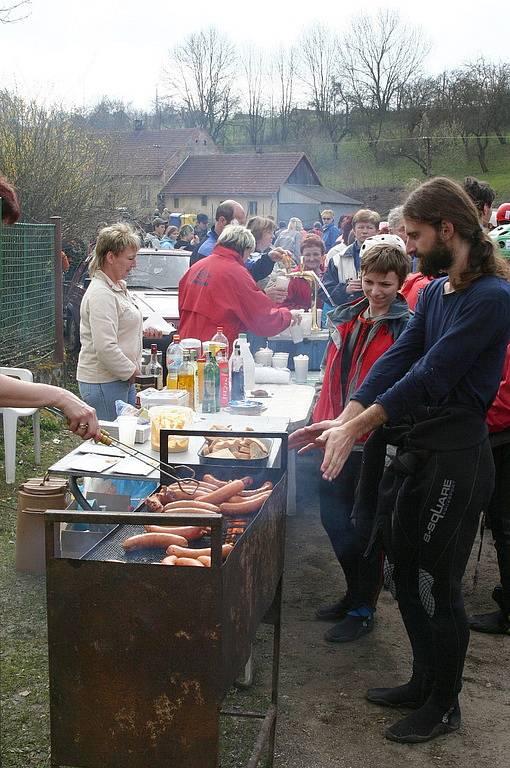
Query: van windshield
(158, 270)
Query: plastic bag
(158, 323)
(126, 409)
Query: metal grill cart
(141, 655)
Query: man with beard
(428, 395)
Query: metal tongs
(108, 440)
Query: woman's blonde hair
(238, 238)
(259, 225)
(114, 239)
(295, 224)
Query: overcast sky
(74, 52)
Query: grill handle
(210, 520)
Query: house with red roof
(280, 185)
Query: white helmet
(393, 240)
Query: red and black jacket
(355, 345)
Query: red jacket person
(219, 290)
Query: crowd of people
(418, 312)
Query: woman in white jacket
(110, 324)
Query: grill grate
(110, 548)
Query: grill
(141, 655)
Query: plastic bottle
(248, 364)
(210, 403)
(219, 342)
(186, 379)
(174, 354)
(237, 374)
(224, 380)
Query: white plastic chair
(10, 418)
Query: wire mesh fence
(27, 294)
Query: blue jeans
(102, 397)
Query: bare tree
(283, 78)
(10, 13)
(57, 168)
(201, 77)
(320, 71)
(479, 100)
(380, 55)
(255, 72)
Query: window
(145, 194)
(252, 208)
(203, 200)
(176, 203)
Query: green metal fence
(27, 294)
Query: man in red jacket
(219, 290)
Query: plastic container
(170, 417)
(264, 356)
(280, 359)
(301, 368)
(151, 398)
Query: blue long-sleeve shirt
(452, 351)
(330, 234)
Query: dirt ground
(324, 720)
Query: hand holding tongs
(107, 439)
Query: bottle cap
(176, 337)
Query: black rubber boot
(334, 611)
(496, 622)
(351, 628)
(412, 695)
(428, 722)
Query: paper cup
(301, 368)
(127, 429)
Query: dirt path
(324, 720)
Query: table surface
(288, 408)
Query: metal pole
(58, 354)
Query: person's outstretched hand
(337, 443)
(304, 439)
(82, 418)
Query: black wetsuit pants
(435, 520)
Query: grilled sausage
(169, 560)
(194, 504)
(188, 561)
(204, 560)
(245, 507)
(175, 549)
(267, 486)
(153, 503)
(225, 492)
(189, 532)
(151, 540)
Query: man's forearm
(351, 410)
(15, 393)
(364, 421)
